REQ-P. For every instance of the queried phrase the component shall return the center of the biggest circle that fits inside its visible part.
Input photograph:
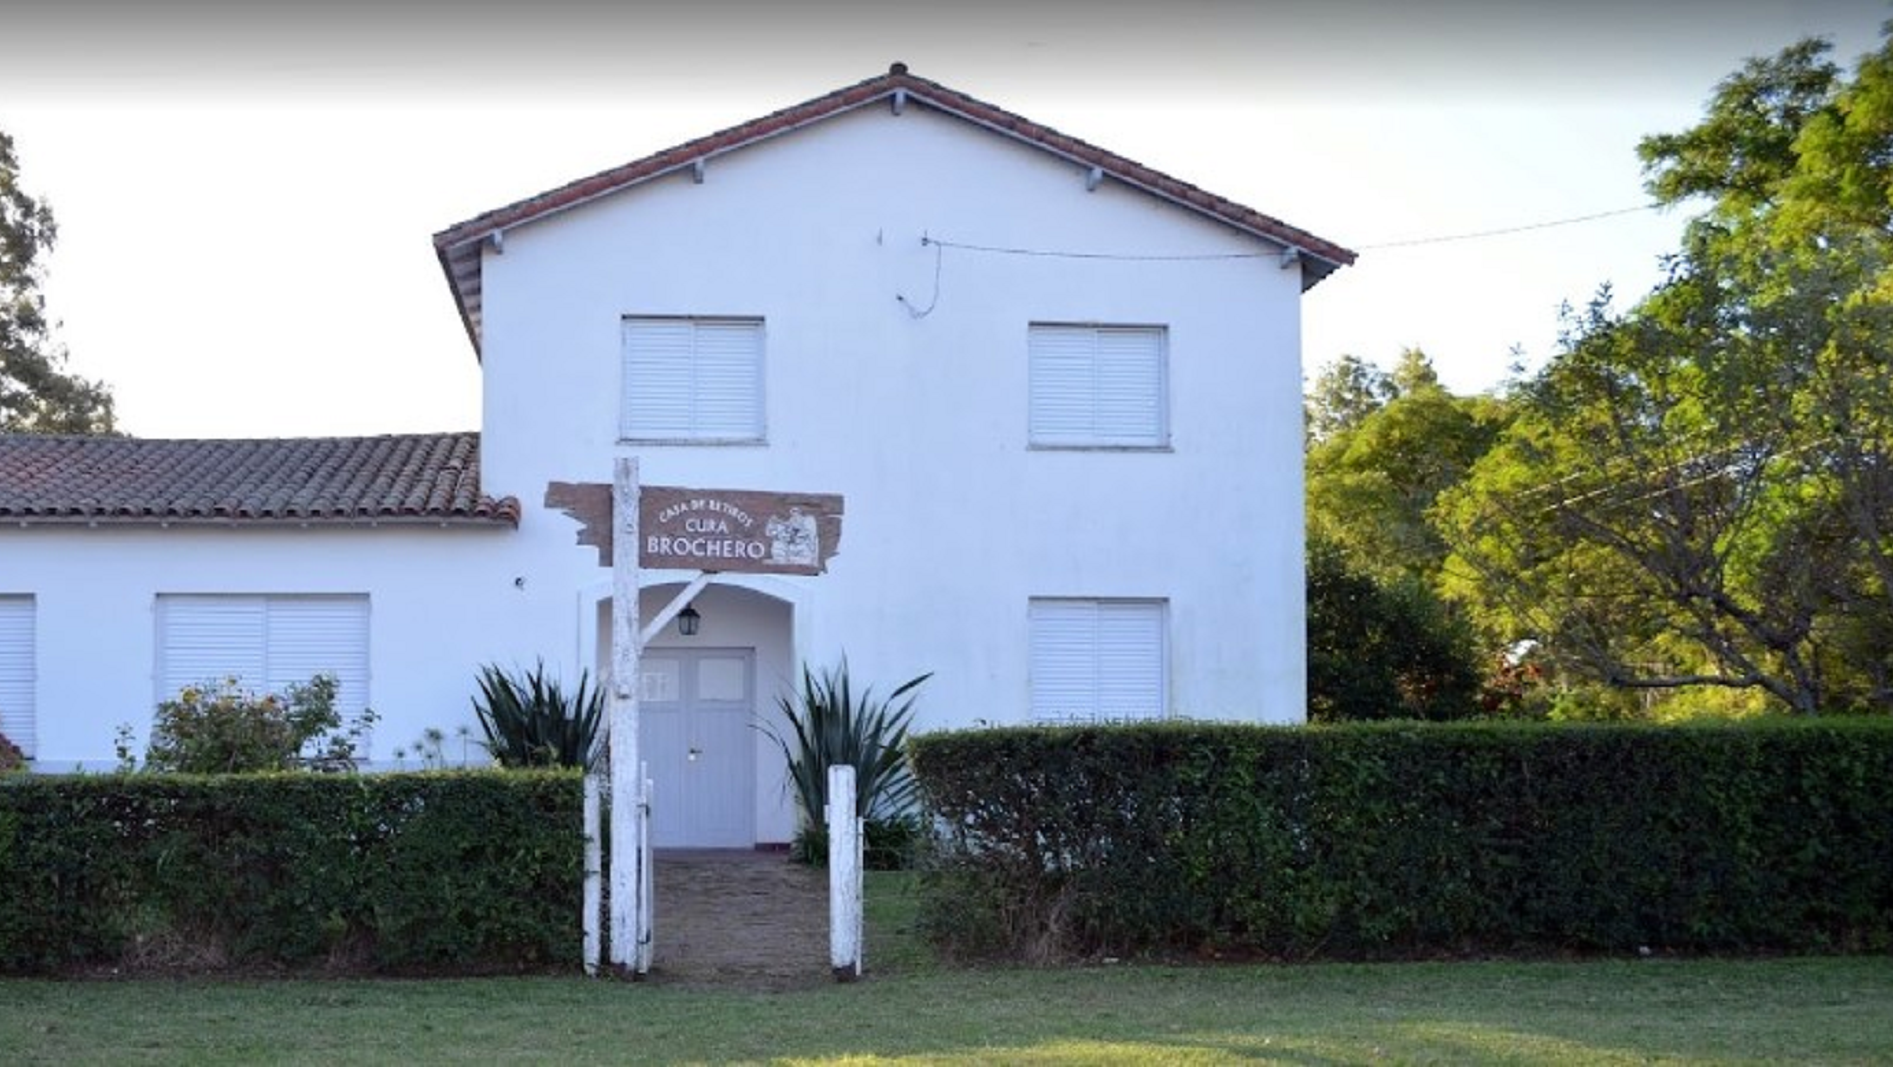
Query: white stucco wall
(953, 523)
(441, 601)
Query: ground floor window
(1098, 660)
(18, 718)
(267, 642)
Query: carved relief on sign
(734, 530)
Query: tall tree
(36, 393)
(1700, 491)
(1345, 392)
(1413, 372)
(1371, 484)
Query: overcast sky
(246, 192)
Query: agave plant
(830, 725)
(529, 720)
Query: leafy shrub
(529, 721)
(444, 872)
(1383, 651)
(224, 728)
(12, 759)
(832, 726)
(1409, 839)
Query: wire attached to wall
(939, 251)
(1411, 242)
(1052, 253)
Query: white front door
(697, 707)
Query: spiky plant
(529, 720)
(830, 725)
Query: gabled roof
(421, 479)
(459, 247)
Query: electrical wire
(1503, 231)
(1408, 242)
(921, 313)
(1053, 253)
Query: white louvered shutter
(1097, 386)
(18, 716)
(267, 643)
(1095, 660)
(692, 380)
(205, 639)
(1130, 660)
(1063, 666)
(310, 635)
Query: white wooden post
(844, 875)
(627, 796)
(593, 894)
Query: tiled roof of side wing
(401, 478)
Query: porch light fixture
(688, 620)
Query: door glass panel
(722, 678)
(660, 680)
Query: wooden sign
(730, 530)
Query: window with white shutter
(18, 718)
(692, 379)
(1098, 660)
(268, 643)
(1097, 386)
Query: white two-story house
(1059, 393)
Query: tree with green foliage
(1699, 491)
(36, 394)
(1345, 392)
(1413, 372)
(1383, 649)
(1371, 484)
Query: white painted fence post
(593, 895)
(627, 827)
(844, 875)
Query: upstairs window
(18, 718)
(692, 380)
(1098, 660)
(1098, 386)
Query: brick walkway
(743, 919)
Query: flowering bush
(223, 728)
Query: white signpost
(630, 937)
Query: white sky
(246, 193)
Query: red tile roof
(426, 479)
(458, 246)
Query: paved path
(743, 919)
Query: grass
(912, 1010)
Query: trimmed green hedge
(1404, 840)
(461, 871)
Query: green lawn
(913, 1011)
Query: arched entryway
(717, 777)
